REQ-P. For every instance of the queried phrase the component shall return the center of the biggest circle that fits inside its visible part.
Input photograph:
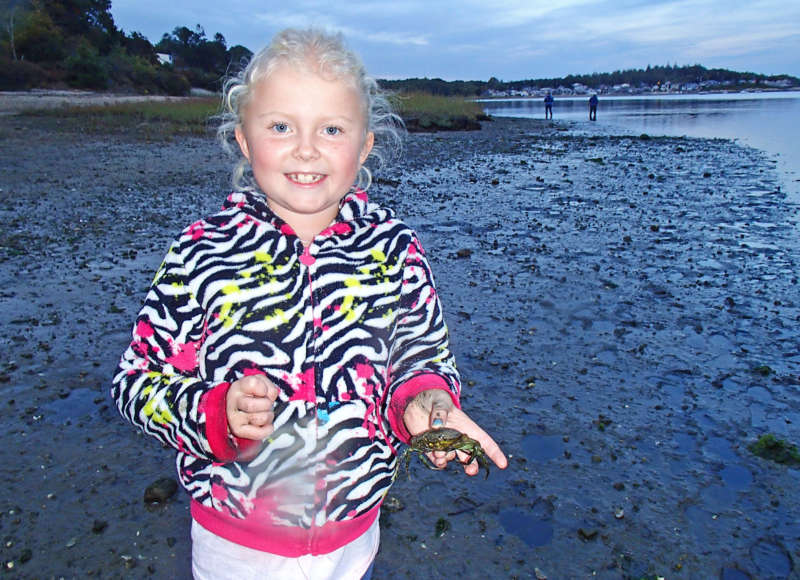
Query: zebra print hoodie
(349, 329)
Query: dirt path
(13, 102)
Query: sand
(624, 311)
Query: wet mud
(624, 311)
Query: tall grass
(423, 103)
(423, 111)
(193, 116)
(151, 119)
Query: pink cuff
(406, 392)
(217, 423)
(224, 447)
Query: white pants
(215, 558)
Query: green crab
(444, 439)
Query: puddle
(717, 498)
(734, 574)
(79, 403)
(736, 477)
(534, 532)
(721, 448)
(771, 560)
(543, 447)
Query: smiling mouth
(305, 178)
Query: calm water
(768, 121)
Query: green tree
(12, 13)
(39, 39)
(137, 45)
(238, 57)
(89, 19)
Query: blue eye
(332, 130)
(280, 127)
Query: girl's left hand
(434, 409)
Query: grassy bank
(146, 119)
(194, 116)
(425, 112)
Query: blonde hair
(327, 55)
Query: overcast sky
(510, 40)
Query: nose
(306, 147)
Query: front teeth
(305, 178)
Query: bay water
(768, 121)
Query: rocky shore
(624, 310)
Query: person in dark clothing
(593, 108)
(548, 106)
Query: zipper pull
(306, 257)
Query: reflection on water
(763, 120)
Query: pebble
(160, 490)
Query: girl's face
(305, 138)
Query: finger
(438, 459)
(260, 419)
(470, 464)
(254, 404)
(442, 458)
(254, 432)
(272, 390)
(438, 416)
(255, 385)
(471, 468)
(459, 420)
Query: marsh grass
(154, 119)
(146, 119)
(426, 112)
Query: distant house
(782, 83)
(164, 58)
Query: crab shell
(445, 439)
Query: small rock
(392, 504)
(442, 526)
(99, 526)
(160, 490)
(586, 535)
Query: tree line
(76, 44)
(648, 77)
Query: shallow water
(766, 121)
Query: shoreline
(608, 300)
(635, 95)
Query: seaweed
(775, 449)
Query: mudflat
(624, 311)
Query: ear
(242, 141)
(369, 141)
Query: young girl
(292, 341)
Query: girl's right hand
(249, 407)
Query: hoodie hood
(355, 210)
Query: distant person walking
(548, 106)
(593, 108)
